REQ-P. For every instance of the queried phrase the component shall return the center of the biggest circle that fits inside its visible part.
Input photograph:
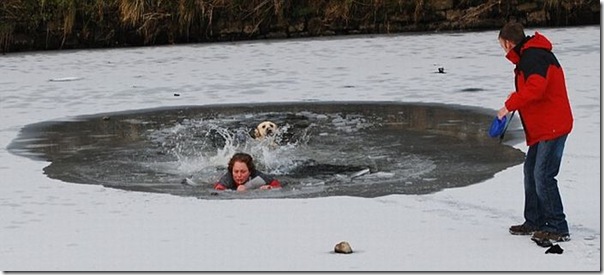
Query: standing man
(541, 100)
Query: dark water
(365, 149)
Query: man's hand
(502, 112)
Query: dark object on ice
(441, 70)
(471, 90)
(343, 247)
(176, 94)
(542, 242)
(554, 249)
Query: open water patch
(365, 149)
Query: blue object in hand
(497, 127)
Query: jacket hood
(536, 41)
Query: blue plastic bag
(498, 126)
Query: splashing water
(204, 147)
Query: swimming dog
(265, 129)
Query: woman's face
(240, 172)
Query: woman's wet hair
(242, 157)
(512, 31)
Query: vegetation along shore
(32, 25)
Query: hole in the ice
(365, 149)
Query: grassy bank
(56, 24)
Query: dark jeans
(542, 202)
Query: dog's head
(264, 129)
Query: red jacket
(541, 97)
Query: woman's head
(241, 166)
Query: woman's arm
(225, 182)
(275, 184)
(268, 182)
(219, 186)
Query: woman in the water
(242, 175)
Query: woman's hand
(241, 188)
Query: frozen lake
(50, 223)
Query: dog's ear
(256, 133)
